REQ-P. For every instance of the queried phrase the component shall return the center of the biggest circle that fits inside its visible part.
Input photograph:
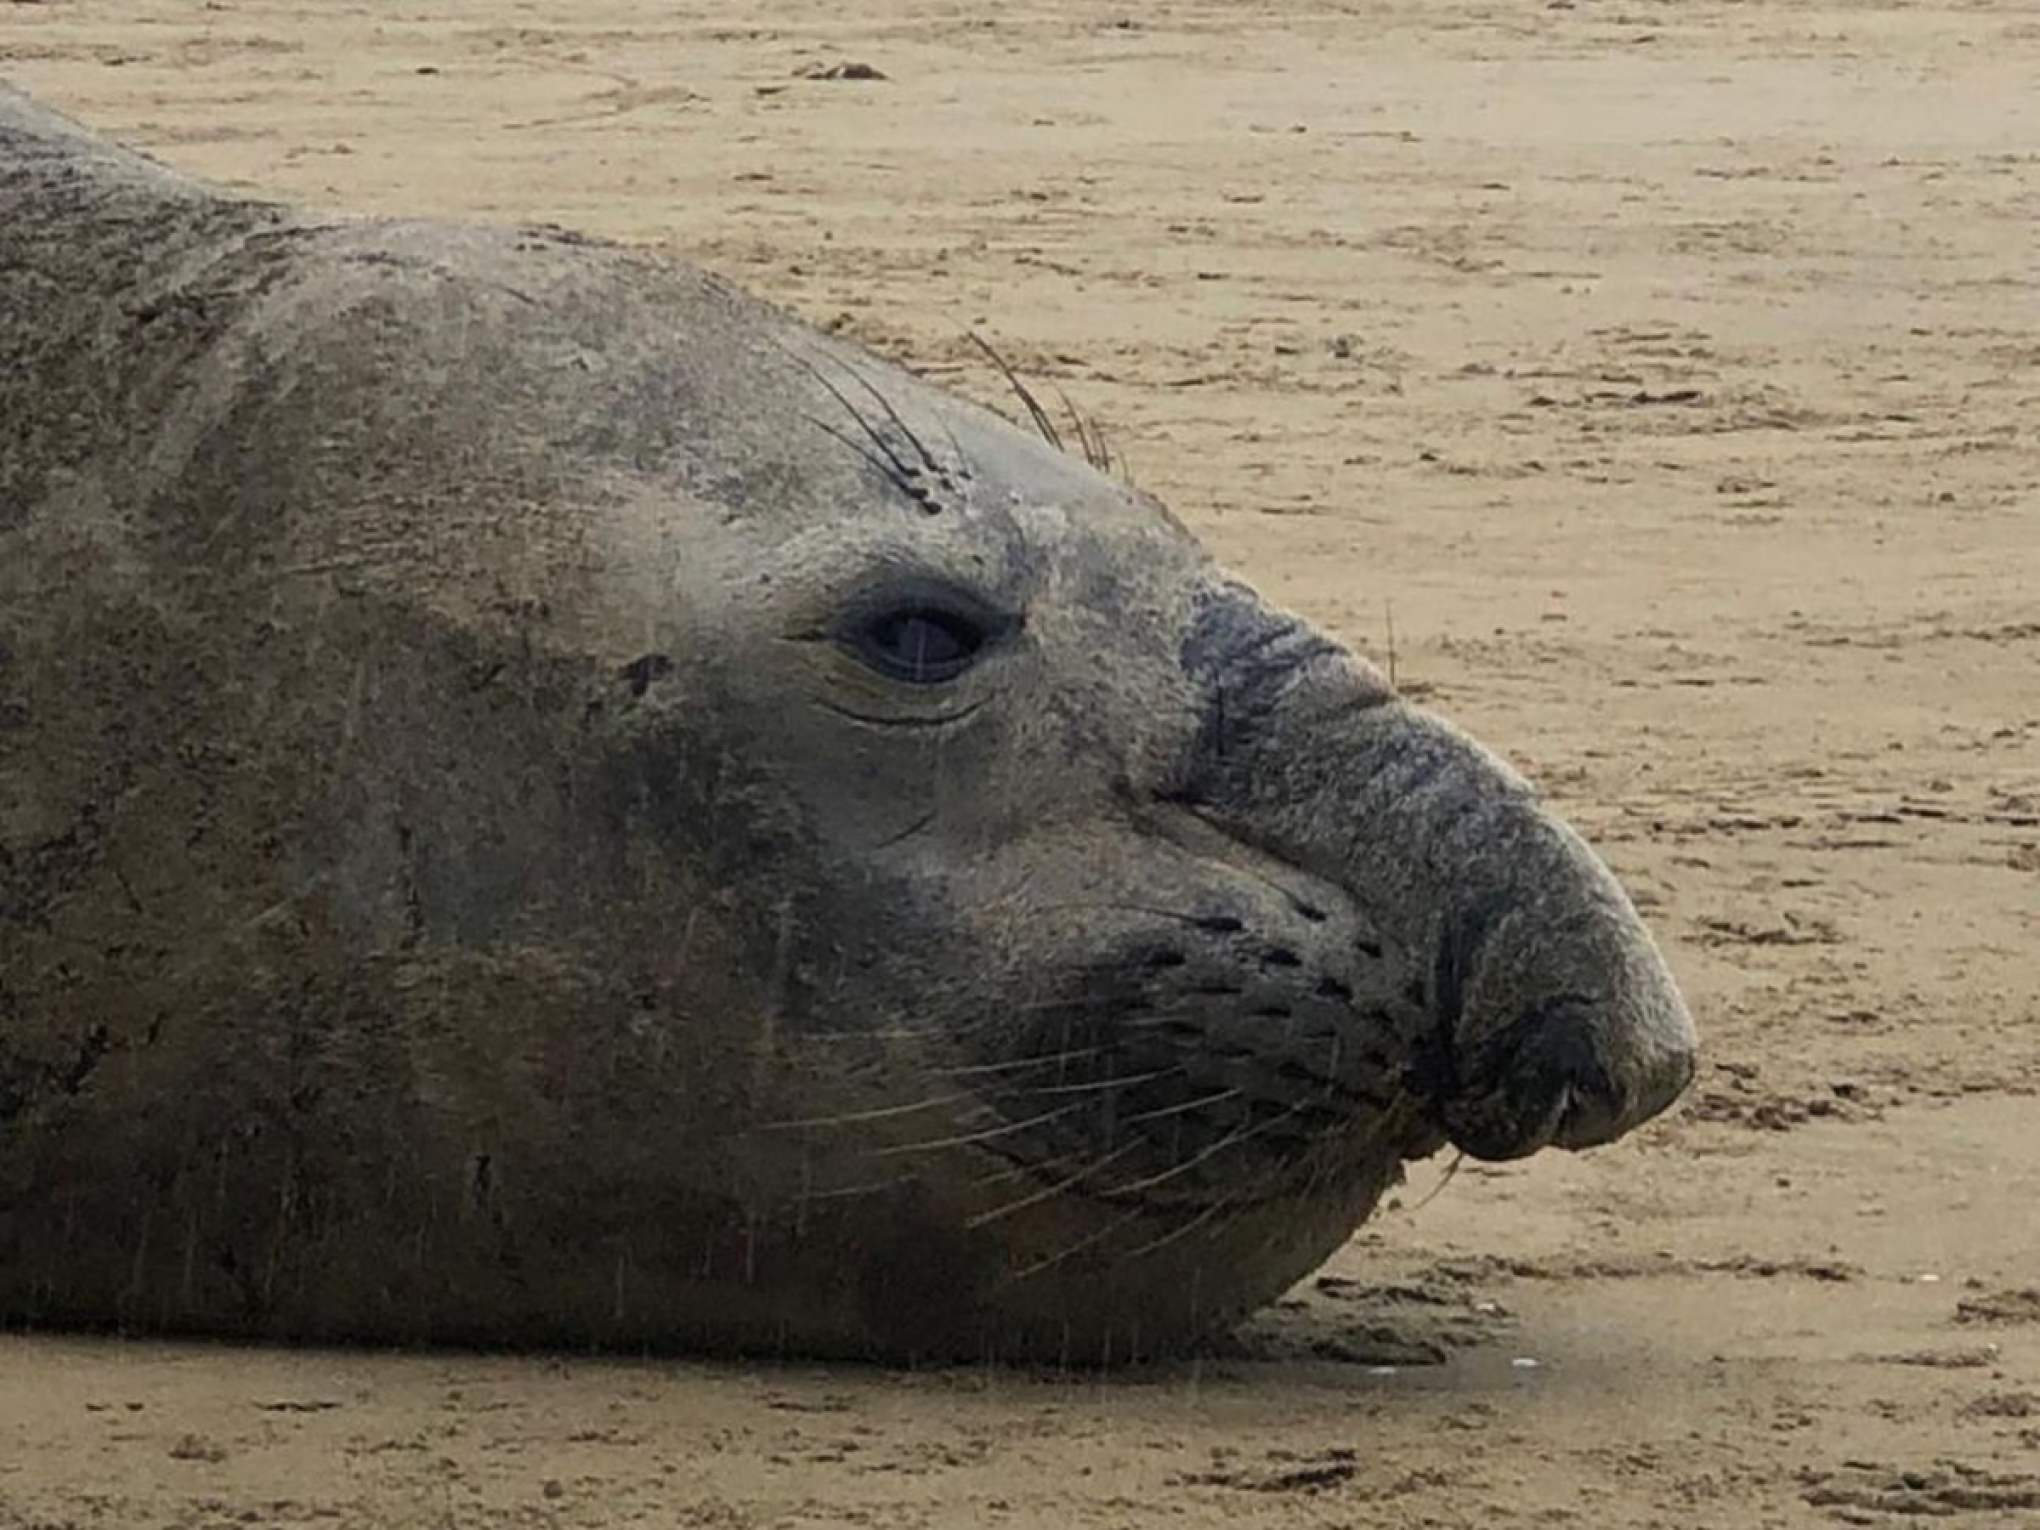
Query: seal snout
(1539, 1011)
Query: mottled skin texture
(462, 879)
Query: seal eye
(920, 644)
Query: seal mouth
(1568, 1070)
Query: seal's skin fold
(457, 883)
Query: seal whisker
(901, 473)
(1182, 1107)
(1088, 436)
(1029, 1169)
(891, 1033)
(1109, 461)
(1230, 1140)
(1049, 1192)
(962, 456)
(1042, 422)
(1100, 1085)
(983, 1070)
(878, 1113)
(1234, 1200)
(884, 469)
(928, 459)
(1243, 1197)
(1177, 1234)
(1325, 1167)
(965, 1139)
(847, 1192)
(1451, 1173)
(1071, 1250)
(1044, 1006)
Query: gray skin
(474, 867)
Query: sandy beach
(1655, 388)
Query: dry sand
(1667, 375)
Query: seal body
(542, 801)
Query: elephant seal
(544, 802)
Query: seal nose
(1551, 1080)
(1601, 1106)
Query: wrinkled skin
(468, 872)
